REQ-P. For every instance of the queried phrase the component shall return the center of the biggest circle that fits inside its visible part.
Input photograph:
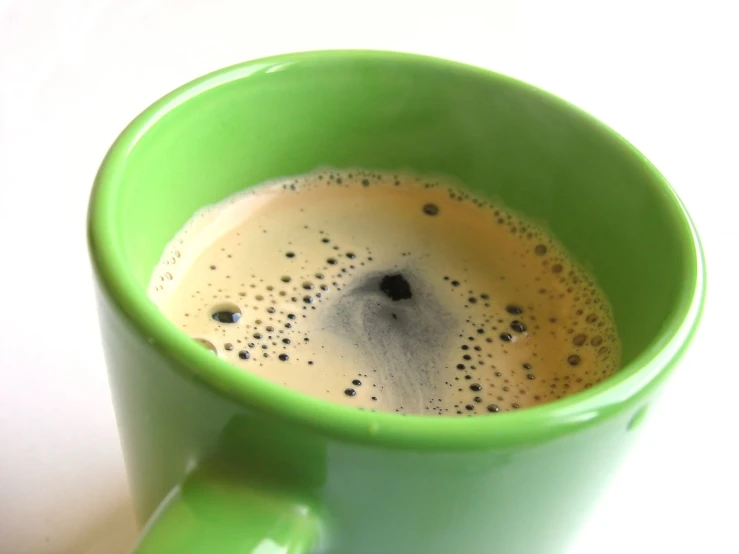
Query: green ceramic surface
(223, 461)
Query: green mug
(220, 460)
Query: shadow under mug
(220, 460)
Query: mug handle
(215, 511)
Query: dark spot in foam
(430, 209)
(405, 351)
(226, 316)
(396, 287)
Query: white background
(73, 73)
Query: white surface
(73, 73)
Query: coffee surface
(388, 291)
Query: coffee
(388, 291)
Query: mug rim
(417, 431)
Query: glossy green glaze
(232, 463)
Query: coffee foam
(388, 291)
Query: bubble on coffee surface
(205, 343)
(388, 291)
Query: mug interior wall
(504, 139)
